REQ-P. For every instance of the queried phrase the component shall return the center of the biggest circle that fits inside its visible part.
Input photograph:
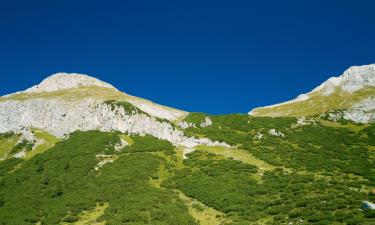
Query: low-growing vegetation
(58, 185)
(7, 143)
(315, 173)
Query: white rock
(207, 122)
(185, 125)
(121, 145)
(26, 135)
(60, 117)
(259, 136)
(353, 79)
(301, 121)
(157, 110)
(274, 132)
(103, 159)
(362, 112)
(336, 116)
(20, 154)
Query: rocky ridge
(357, 82)
(60, 117)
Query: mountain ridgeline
(76, 150)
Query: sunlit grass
(317, 104)
(203, 214)
(353, 127)
(46, 141)
(91, 217)
(7, 144)
(237, 154)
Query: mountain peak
(353, 79)
(353, 92)
(62, 81)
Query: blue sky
(212, 56)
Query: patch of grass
(202, 213)
(195, 118)
(350, 126)
(45, 141)
(128, 107)
(127, 138)
(338, 100)
(89, 217)
(6, 135)
(236, 154)
(24, 145)
(7, 143)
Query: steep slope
(64, 103)
(352, 93)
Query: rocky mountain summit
(350, 96)
(353, 79)
(62, 81)
(64, 103)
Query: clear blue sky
(212, 56)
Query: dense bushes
(317, 149)
(59, 184)
(322, 176)
(234, 129)
(149, 143)
(6, 135)
(282, 196)
(328, 167)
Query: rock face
(274, 132)
(353, 79)
(353, 92)
(60, 117)
(206, 123)
(362, 112)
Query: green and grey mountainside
(64, 103)
(350, 96)
(75, 150)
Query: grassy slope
(203, 214)
(329, 175)
(90, 217)
(59, 185)
(7, 144)
(316, 156)
(316, 104)
(236, 154)
(47, 141)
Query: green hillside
(316, 173)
